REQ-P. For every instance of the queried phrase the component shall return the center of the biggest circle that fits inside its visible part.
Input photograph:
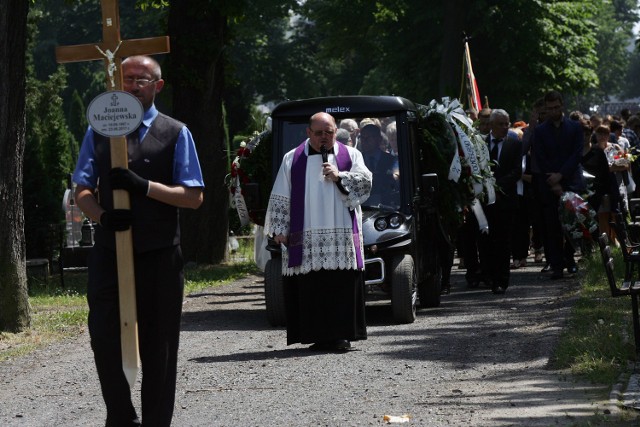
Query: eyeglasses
(130, 81)
(322, 132)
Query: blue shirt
(186, 167)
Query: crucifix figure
(142, 181)
(111, 58)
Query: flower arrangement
(577, 217)
(456, 151)
(618, 157)
(251, 168)
(622, 159)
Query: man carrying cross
(163, 175)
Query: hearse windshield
(376, 139)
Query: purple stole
(298, 183)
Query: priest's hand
(281, 239)
(125, 179)
(330, 172)
(116, 219)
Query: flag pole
(473, 94)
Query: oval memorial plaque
(115, 113)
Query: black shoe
(556, 275)
(341, 345)
(446, 290)
(320, 346)
(546, 268)
(338, 345)
(497, 290)
(572, 270)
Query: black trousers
(552, 234)
(159, 291)
(469, 235)
(495, 247)
(521, 239)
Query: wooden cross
(112, 45)
(112, 50)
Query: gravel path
(477, 360)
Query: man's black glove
(125, 179)
(116, 219)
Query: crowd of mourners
(535, 165)
(589, 155)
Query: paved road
(477, 360)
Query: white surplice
(327, 231)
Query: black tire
(430, 289)
(404, 293)
(274, 292)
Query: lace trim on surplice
(330, 249)
(278, 215)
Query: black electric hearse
(400, 227)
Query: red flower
(243, 152)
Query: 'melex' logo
(338, 110)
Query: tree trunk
(452, 48)
(196, 73)
(14, 299)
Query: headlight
(380, 224)
(395, 221)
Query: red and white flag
(473, 94)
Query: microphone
(325, 158)
(325, 153)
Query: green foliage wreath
(441, 143)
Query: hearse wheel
(274, 292)
(403, 289)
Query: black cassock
(324, 306)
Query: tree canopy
(414, 48)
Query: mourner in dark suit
(383, 166)
(495, 247)
(557, 151)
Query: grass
(58, 313)
(597, 343)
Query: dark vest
(155, 224)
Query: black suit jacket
(507, 172)
(557, 150)
(383, 181)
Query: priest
(314, 214)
